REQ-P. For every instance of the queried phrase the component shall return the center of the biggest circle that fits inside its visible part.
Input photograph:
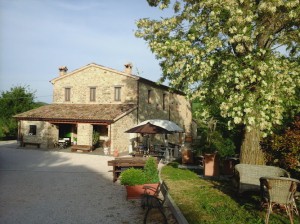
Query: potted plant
(227, 154)
(74, 140)
(95, 139)
(219, 151)
(135, 179)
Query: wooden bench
(83, 148)
(121, 164)
(150, 201)
(23, 144)
(248, 175)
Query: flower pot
(187, 156)
(135, 192)
(228, 165)
(211, 164)
(188, 138)
(116, 153)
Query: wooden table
(121, 164)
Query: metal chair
(62, 144)
(279, 191)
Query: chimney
(62, 70)
(128, 68)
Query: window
(67, 94)
(117, 93)
(164, 101)
(93, 94)
(149, 96)
(32, 129)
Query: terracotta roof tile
(79, 112)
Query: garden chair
(279, 191)
(247, 175)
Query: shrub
(148, 175)
(132, 177)
(283, 149)
(96, 136)
(150, 170)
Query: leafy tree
(17, 100)
(230, 51)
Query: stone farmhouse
(98, 99)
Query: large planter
(135, 192)
(211, 164)
(187, 156)
(229, 164)
(188, 138)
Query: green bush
(150, 170)
(148, 175)
(173, 164)
(133, 177)
(283, 149)
(96, 136)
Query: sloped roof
(78, 112)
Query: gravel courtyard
(39, 186)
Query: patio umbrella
(148, 128)
(166, 124)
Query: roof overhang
(78, 113)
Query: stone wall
(104, 81)
(154, 108)
(84, 134)
(120, 139)
(46, 133)
(177, 107)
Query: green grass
(207, 201)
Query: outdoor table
(123, 163)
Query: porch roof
(90, 113)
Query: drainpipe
(110, 138)
(138, 101)
(169, 106)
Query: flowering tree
(230, 50)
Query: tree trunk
(251, 152)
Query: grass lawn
(215, 201)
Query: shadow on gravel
(38, 186)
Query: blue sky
(38, 36)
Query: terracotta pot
(211, 165)
(228, 166)
(116, 153)
(188, 138)
(135, 192)
(187, 156)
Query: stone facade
(104, 80)
(45, 133)
(95, 84)
(121, 140)
(84, 134)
